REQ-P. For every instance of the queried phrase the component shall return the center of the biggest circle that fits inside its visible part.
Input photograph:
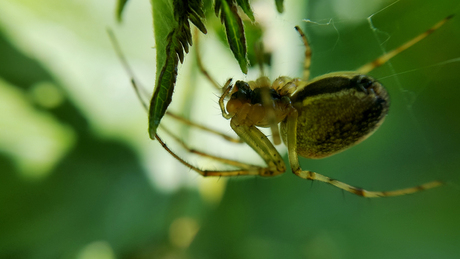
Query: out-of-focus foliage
(98, 191)
(98, 197)
(121, 5)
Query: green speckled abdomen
(338, 112)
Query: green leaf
(256, 53)
(235, 31)
(120, 6)
(279, 5)
(171, 20)
(244, 4)
(165, 86)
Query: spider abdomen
(337, 113)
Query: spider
(316, 118)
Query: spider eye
(259, 92)
(243, 92)
(242, 87)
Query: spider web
(410, 97)
(413, 121)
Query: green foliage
(244, 4)
(171, 19)
(120, 6)
(170, 50)
(165, 84)
(279, 5)
(256, 53)
(235, 31)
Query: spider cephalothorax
(257, 104)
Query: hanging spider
(317, 118)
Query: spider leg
(259, 51)
(275, 133)
(269, 106)
(255, 139)
(226, 91)
(262, 146)
(202, 127)
(249, 134)
(309, 175)
(247, 170)
(200, 63)
(184, 120)
(291, 125)
(213, 157)
(307, 62)
(387, 56)
(142, 94)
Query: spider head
(256, 103)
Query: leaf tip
(279, 6)
(120, 7)
(244, 66)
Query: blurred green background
(79, 177)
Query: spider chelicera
(318, 118)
